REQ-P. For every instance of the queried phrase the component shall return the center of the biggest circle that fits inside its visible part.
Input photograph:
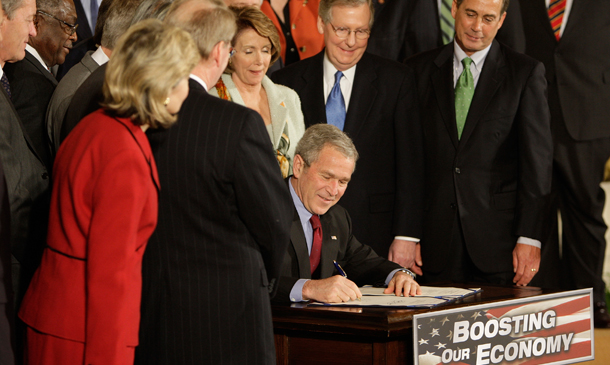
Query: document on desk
(431, 297)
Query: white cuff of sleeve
(529, 241)
(405, 238)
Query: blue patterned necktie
(94, 9)
(6, 85)
(335, 105)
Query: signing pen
(342, 272)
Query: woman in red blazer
(83, 305)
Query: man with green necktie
(487, 152)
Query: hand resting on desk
(402, 284)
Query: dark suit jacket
(85, 101)
(223, 229)
(498, 175)
(7, 314)
(32, 86)
(84, 29)
(27, 182)
(403, 28)
(577, 67)
(382, 120)
(60, 101)
(360, 262)
(511, 33)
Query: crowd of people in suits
(168, 168)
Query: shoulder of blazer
(41, 69)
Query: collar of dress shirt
(36, 55)
(478, 60)
(200, 81)
(346, 82)
(1, 72)
(304, 214)
(99, 56)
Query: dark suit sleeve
(360, 261)
(535, 157)
(409, 161)
(263, 199)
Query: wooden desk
(333, 335)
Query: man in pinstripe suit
(224, 221)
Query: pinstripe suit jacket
(224, 226)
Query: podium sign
(545, 329)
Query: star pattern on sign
(432, 320)
(440, 345)
(429, 353)
(423, 342)
(444, 320)
(476, 315)
(460, 316)
(419, 326)
(434, 332)
(450, 335)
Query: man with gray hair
(118, 18)
(224, 219)
(321, 233)
(373, 100)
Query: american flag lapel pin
(333, 238)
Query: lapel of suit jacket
(579, 10)
(21, 126)
(542, 15)
(364, 93)
(312, 101)
(299, 244)
(84, 30)
(277, 107)
(42, 69)
(330, 247)
(490, 79)
(442, 82)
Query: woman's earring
(166, 102)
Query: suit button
(303, 49)
(452, 205)
(294, 26)
(45, 175)
(457, 170)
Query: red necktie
(316, 247)
(556, 10)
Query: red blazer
(303, 23)
(103, 210)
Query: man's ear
(217, 51)
(320, 25)
(298, 164)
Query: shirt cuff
(296, 294)
(405, 238)
(390, 276)
(529, 241)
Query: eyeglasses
(71, 27)
(345, 32)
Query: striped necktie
(446, 20)
(556, 10)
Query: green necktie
(464, 90)
(446, 21)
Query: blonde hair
(148, 61)
(250, 17)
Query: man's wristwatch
(407, 271)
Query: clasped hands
(338, 289)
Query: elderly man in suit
(32, 83)
(26, 176)
(224, 220)
(572, 39)
(487, 151)
(322, 231)
(117, 15)
(373, 100)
